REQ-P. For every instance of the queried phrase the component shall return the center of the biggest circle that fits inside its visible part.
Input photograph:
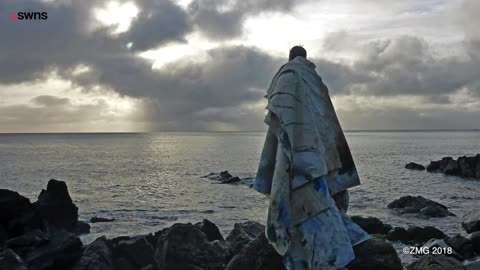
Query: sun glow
(117, 14)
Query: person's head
(297, 51)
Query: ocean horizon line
(213, 132)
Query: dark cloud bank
(190, 95)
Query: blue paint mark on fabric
(320, 184)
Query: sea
(148, 181)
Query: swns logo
(28, 16)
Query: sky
(205, 65)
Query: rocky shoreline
(44, 235)
(466, 167)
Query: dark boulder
(9, 260)
(42, 251)
(257, 255)
(231, 180)
(96, 219)
(436, 262)
(375, 254)
(471, 221)
(210, 230)
(242, 234)
(475, 238)
(415, 166)
(461, 245)
(371, 225)
(137, 251)
(17, 215)
(56, 207)
(419, 205)
(468, 167)
(3, 235)
(97, 256)
(440, 244)
(225, 175)
(415, 235)
(184, 246)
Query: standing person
(306, 168)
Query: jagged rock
(415, 235)
(419, 205)
(210, 230)
(414, 166)
(96, 256)
(96, 219)
(56, 207)
(41, 251)
(471, 221)
(137, 250)
(9, 260)
(257, 255)
(468, 167)
(17, 214)
(375, 254)
(371, 225)
(440, 243)
(242, 234)
(461, 245)
(436, 262)
(184, 246)
(475, 238)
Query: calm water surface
(152, 180)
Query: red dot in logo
(12, 16)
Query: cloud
(225, 90)
(224, 19)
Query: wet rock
(257, 255)
(371, 225)
(415, 235)
(56, 207)
(97, 256)
(375, 254)
(41, 251)
(231, 180)
(242, 234)
(210, 230)
(184, 246)
(225, 175)
(471, 221)
(415, 166)
(475, 238)
(419, 205)
(11, 261)
(436, 262)
(137, 250)
(468, 167)
(96, 219)
(461, 245)
(17, 214)
(441, 244)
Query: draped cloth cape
(304, 126)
